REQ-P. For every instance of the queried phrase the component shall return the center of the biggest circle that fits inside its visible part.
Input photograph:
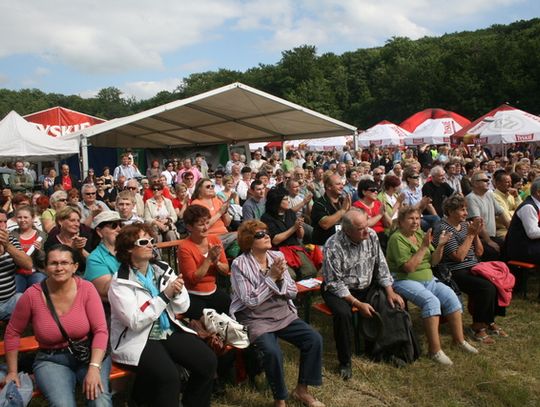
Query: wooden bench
(170, 249)
(305, 295)
(521, 271)
(324, 309)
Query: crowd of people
(386, 216)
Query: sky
(143, 47)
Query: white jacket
(134, 311)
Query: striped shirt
(7, 272)
(456, 240)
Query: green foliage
(467, 72)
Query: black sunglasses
(261, 234)
(156, 189)
(112, 225)
(372, 190)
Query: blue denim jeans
(433, 297)
(429, 222)
(57, 374)
(24, 281)
(7, 307)
(304, 337)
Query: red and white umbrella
(433, 131)
(383, 134)
(503, 125)
(419, 119)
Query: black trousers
(490, 254)
(219, 300)
(342, 320)
(158, 382)
(482, 293)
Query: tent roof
(234, 113)
(21, 139)
(58, 110)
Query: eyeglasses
(414, 176)
(132, 188)
(261, 234)
(89, 193)
(209, 186)
(375, 174)
(112, 225)
(483, 180)
(143, 242)
(56, 264)
(372, 190)
(156, 189)
(62, 200)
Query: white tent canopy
(231, 114)
(21, 139)
(234, 113)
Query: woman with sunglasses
(262, 300)
(378, 219)
(160, 213)
(57, 201)
(80, 312)
(145, 297)
(102, 263)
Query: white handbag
(229, 331)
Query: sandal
(480, 335)
(312, 403)
(495, 329)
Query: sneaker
(467, 347)
(345, 371)
(440, 357)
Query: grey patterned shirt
(348, 265)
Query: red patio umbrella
(411, 123)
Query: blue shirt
(100, 262)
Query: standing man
(257, 161)
(66, 180)
(254, 207)
(20, 181)
(328, 210)
(188, 167)
(351, 257)
(126, 169)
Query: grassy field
(504, 374)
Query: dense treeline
(467, 72)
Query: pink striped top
(86, 315)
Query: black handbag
(80, 349)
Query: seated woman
(220, 219)
(159, 212)
(31, 241)
(102, 263)
(460, 255)
(145, 297)
(81, 314)
(378, 219)
(410, 257)
(228, 194)
(202, 258)
(180, 203)
(391, 200)
(286, 230)
(412, 196)
(72, 233)
(262, 300)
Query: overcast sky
(142, 47)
